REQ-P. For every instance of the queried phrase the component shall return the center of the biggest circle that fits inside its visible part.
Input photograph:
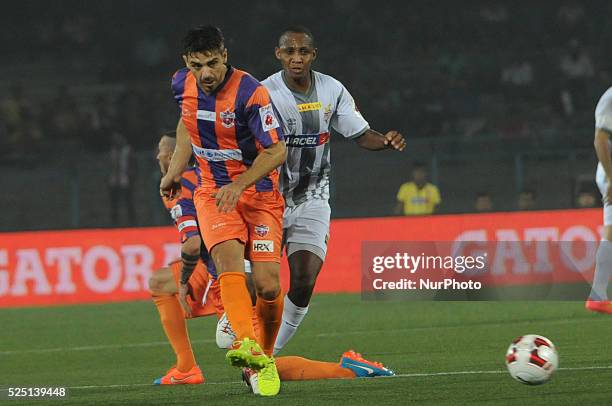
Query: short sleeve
(347, 119)
(603, 114)
(262, 118)
(178, 85)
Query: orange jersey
(228, 128)
(181, 208)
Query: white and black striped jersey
(306, 120)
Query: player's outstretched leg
(292, 368)
(362, 367)
(304, 267)
(163, 290)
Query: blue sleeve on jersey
(187, 207)
(178, 85)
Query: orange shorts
(205, 293)
(257, 222)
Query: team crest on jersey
(262, 230)
(228, 118)
(327, 113)
(291, 125)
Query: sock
(237, 303)
(302, 369)
(603, 270)
(215, 296)
(292, 317)
(270, 314)
(256, 324)
(173, 322)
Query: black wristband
(189, 264)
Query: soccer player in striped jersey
(229, 123)
(598, 300)
(188, 287)
(310, 104)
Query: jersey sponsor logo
(262, 230)
(176, 212)
(309, 107)
(206, 115)
(215, 226)
(268, 119)
(263, 246)
(228, 118)
(217, 155)
(307, 140)
(291, 125)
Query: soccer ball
(532, 359)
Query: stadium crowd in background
(456, 90)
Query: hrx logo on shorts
(263, 246)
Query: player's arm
(262, 119)
(268, 160)
(180, 159)
(190, 254)
(375, 141)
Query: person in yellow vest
(419, 196)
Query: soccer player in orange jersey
(188, 287)
(229, 123)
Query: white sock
(603, 270)
(292, 317)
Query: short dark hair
(169, 134)
(204, 38)
(297, 29)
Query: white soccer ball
(532, 359)
(225, 335)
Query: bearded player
(598, 300)
(311, 104)
(229, 123)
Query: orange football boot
(600, 306)
(175, 377)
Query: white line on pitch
(201, 341)
(414, 375)
(97, 347)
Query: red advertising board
(61, 267)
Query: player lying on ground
(230, 124)
(598, 298)
(310, 104)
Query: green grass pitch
(443, 353)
